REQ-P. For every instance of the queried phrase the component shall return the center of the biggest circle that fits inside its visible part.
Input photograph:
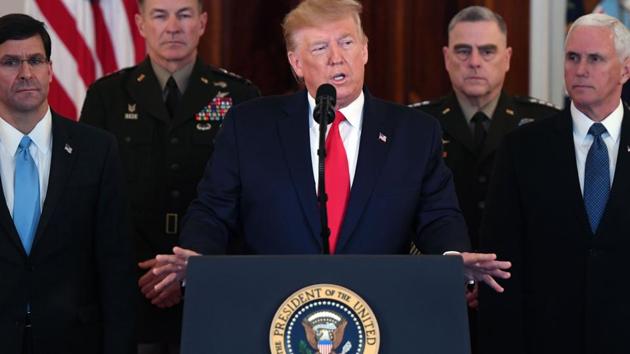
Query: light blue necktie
(596, 177)
(26, 192)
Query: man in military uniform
(165, 113)
(477, 114)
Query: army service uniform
(163, 158)
(471, 169)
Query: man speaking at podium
(386, 181)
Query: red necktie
(337, 180)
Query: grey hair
(478, 14)
(621, 35)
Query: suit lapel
(6, 223)
(454, 125)
(143, 87)
(565, 164)
(63, 157)
(620, 192)
(294, 138)
(199, 92)
(372, 154)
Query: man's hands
(161, 283)
(484, 267)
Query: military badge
(324, 319)
(215, 111)
(131, 112)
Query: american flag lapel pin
(68, 149)
(382, 137)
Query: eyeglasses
(11, 63)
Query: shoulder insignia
(419, 104)
(533, 100)
(220, 84)
(115, 74)
(232, 76)
(524, 121)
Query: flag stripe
(89, 38)
(59, 100)
(104, 47)
(138, 41)
(66, 27)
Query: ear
(364, 52)
(140, 24)
(508, 57)
(203, 19)
(50, 72)
(447, 58)
(296, 63)
(625, 71)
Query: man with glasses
(65, 257)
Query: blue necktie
(26, 188)
(596, 177)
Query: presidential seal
(324, 319)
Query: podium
(269, 304)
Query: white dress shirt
(40, 150)
(583, 140)
(350, 131)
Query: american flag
(90, 38)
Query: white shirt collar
(582, 123)
(353, 112)
(41, 135)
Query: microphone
(325, 102)
(324, 112)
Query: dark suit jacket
(471, 169)
(568, 292)
(78, 278)
(163, 159)
(259, 184)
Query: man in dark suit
(166, 134)
(558, 208)
(383, 162)
(65, 255)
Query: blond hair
(310, 13)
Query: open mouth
(339, 77)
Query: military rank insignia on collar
(326, 319)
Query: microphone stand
(325, 113)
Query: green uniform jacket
(163, 159)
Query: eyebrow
(468, 46)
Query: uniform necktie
(337, 180)
(26, 191)
(479, 130)
(596, 177)
(172, 96)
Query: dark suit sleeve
(501, 326)
(212, 217)
(94, 110)
(440, 224)
(114, 259)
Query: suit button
(175, 166)
(174, 140)
(481, 204)
(127, 139)
(175, 194)
(482, 179)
